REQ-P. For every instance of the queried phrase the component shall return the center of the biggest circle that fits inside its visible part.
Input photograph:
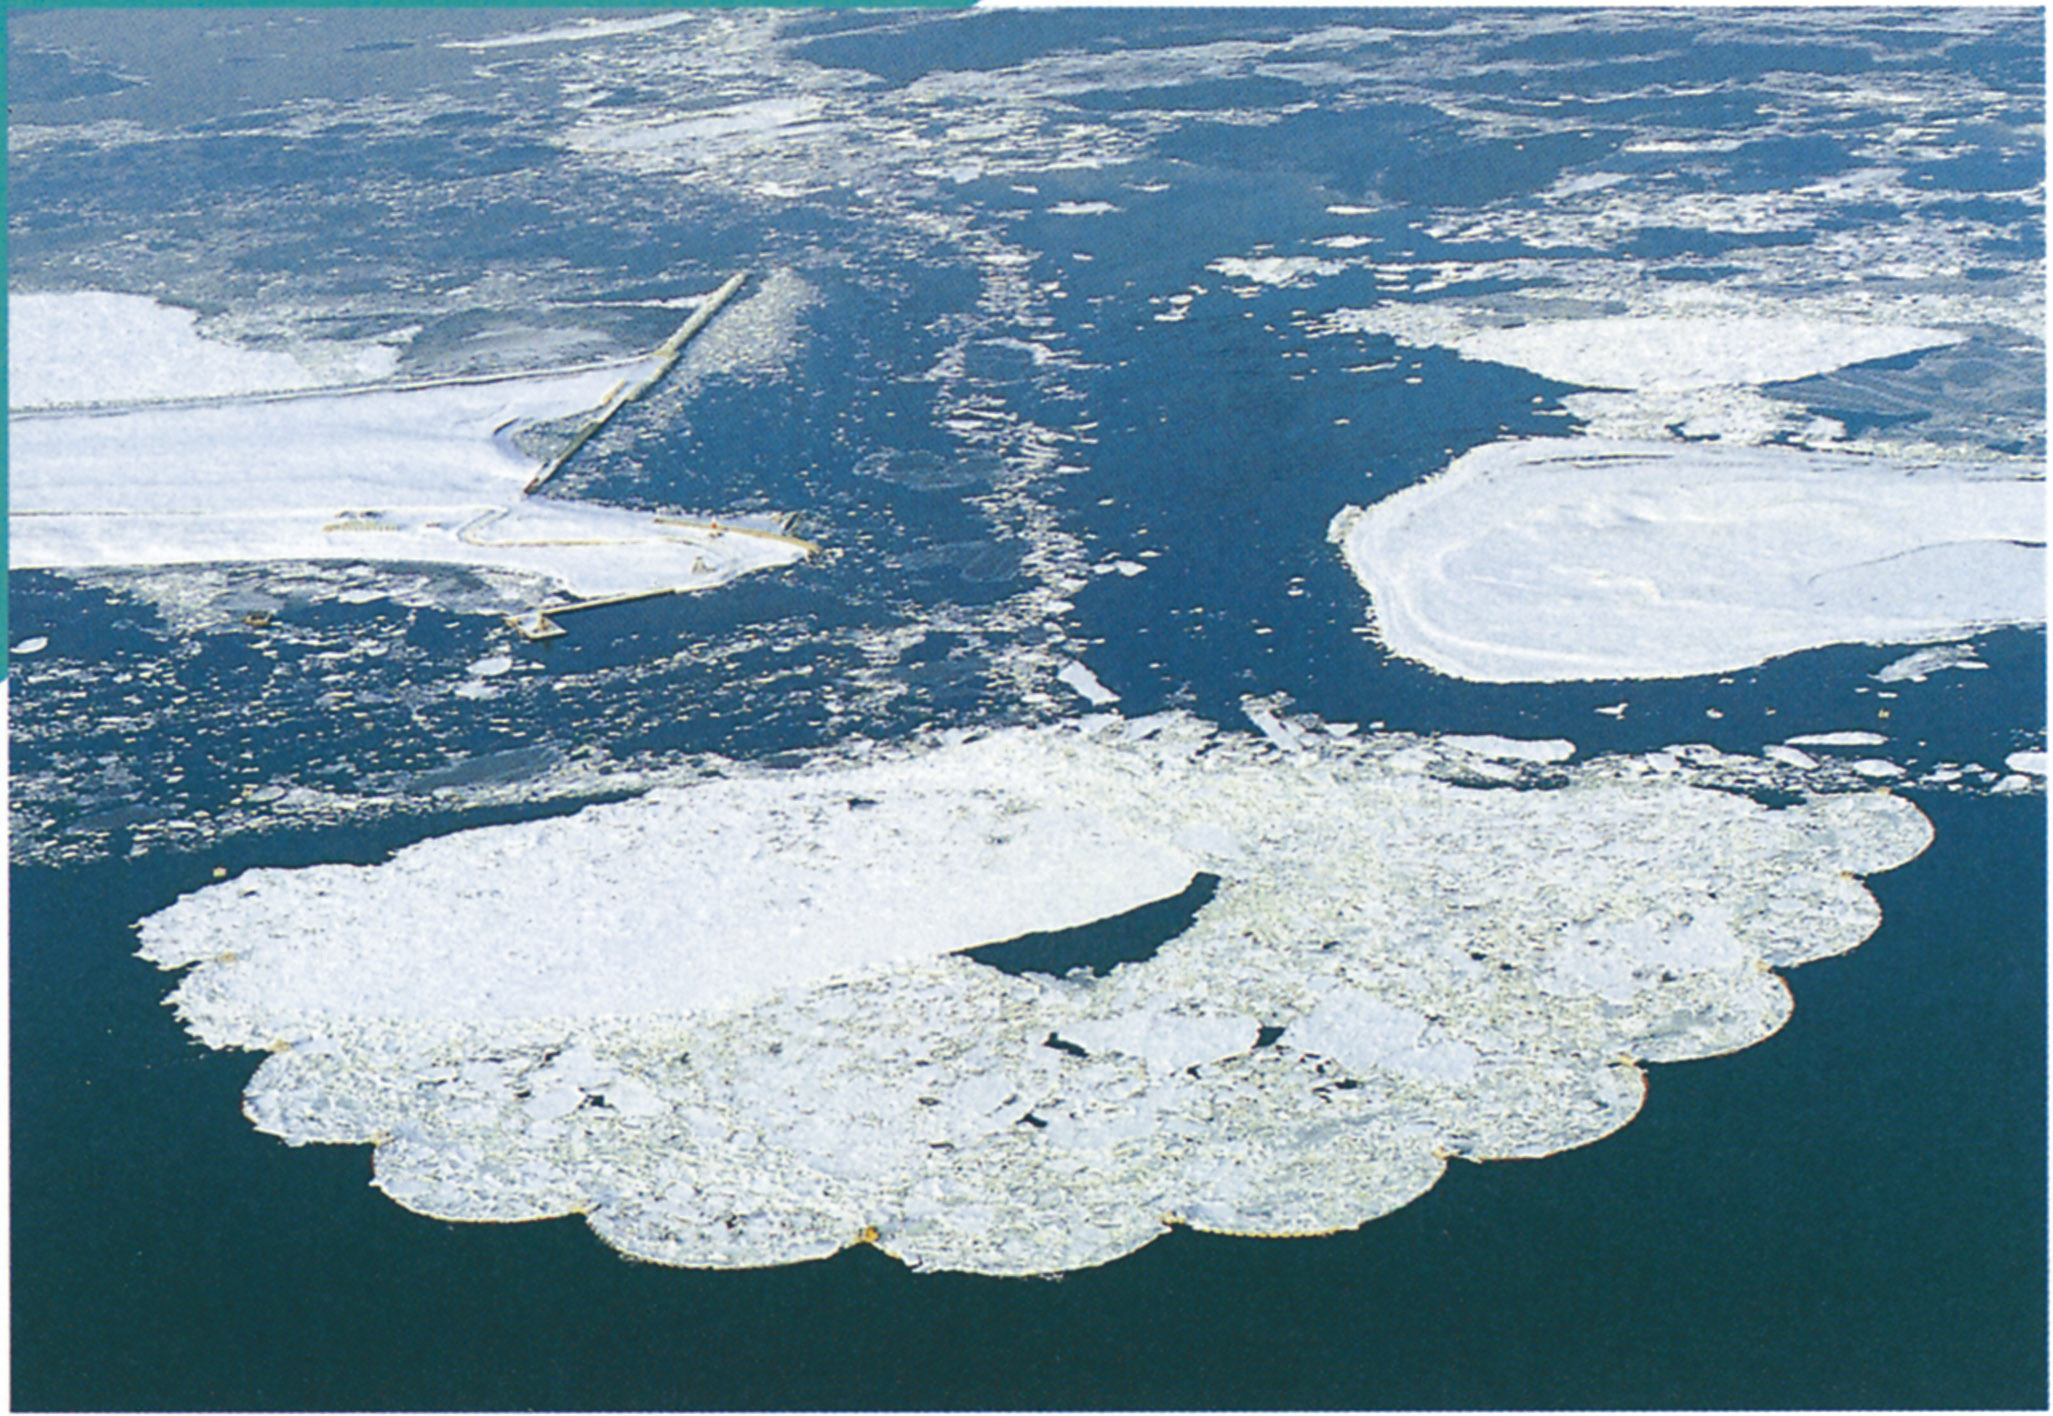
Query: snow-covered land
(187, 450)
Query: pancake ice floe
(735, 1022)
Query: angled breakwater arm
(667, 355)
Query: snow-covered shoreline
(237, 455)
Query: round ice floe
(1577, 558)
(729, 1024)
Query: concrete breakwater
(666, 356)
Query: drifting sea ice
(1651, 373)
(731, 1025)
(422, 473)
(1656, 351)
(1563, 559)
(1918, 666)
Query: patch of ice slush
(719, 1022)
(1565, 559)
(1918, 666)
(1275, 270)
(758, 118)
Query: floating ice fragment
(730, 1024)
(1682, 352)
(1578, 558)
(1512, 749)
(35, 644)
(761, 119)
(1656, 351)
(1167, 1040)
(490, 667)
(1854, 738)
(1794, 757)
(2032, 763)
(1366, 1035)
(1876, 767)
(1285, 735)
(1086, 683)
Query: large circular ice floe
(733, 1024)
(1579, 558)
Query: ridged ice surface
(728, 1024)
(1559, 559)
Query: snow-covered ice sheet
(1563, 559)
(729, 1025)
(103, 345)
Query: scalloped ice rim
(620, 1014)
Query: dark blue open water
(988, 217)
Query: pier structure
(667, 355)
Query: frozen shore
(427, 473)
